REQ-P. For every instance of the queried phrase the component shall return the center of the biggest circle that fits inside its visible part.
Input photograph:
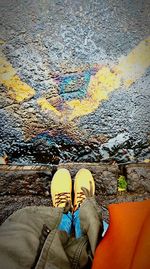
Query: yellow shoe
(83, 179)
(61, 188)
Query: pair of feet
(61, 188)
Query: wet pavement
(50, 53)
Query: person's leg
(22, 233)
(61, 188)
(35, 237)
(87, 218)
(83, 179)
(52, 253)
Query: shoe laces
(61, 198)
(80, 197)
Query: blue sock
(76, 223)
(66, 223)
(105, 226)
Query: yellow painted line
(45, 105)
(133, 66)
(147, 161)
(17, 89)
(2, 42)
(99, 87)
(129, 69)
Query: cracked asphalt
(55, 47)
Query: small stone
(31, 109)
(47, 193)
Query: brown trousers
(29, 239)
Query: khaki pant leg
(20, 233)
(91, 222)
(53, 255)
(81, 251)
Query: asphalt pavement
(75, 81)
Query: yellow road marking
(17, 89)
(99, 87)
(2, 42)
(133, 66)
(147, 161)
(45, 105)
(129, 69)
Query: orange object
(126, 244)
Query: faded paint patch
(129, 69)
(85, 90)
(17, 89)
(2, 42)
(133, 66)
(45, 105)
(4, 159)
(100, 86)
